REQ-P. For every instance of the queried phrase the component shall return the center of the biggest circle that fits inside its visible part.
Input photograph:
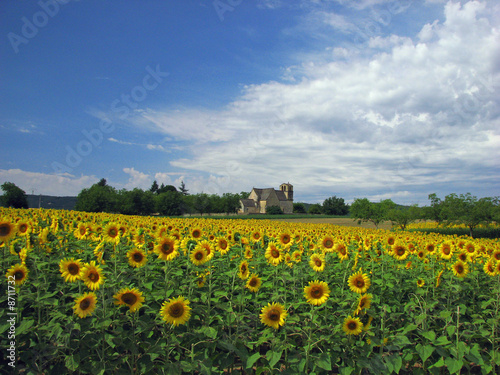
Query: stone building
(259, 199)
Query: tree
(273, 210)
(364, 210)
(13, 196)
(468, 210)
(299, 208)
(164, 188)
(202, 203)
(404, 215)
(183, 189)
(100, 197)
(169, 203)
(230, 202)
(315, 209)
(154, 188)
(435, 210)
(335, 206)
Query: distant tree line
(463, 209)
(330, 206)
(164, 200)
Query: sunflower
(446, 250)
(317, 292)
(470, 248)
(167, 249)
(111, 233)
(317, 262)
(420, 283)
(273, 315)
(285, 239)
(489, 268)
(248, 253)
(352, 326)
(391, 240)
(297, 256)
(359, 282)
(364, 303)
(137, 258)
(438, 278)
(176, 311)
(7, 230)
(399, 251)
(430, 248)
(19, 272)
(92, 276)
(253, 283)
(327, 243)
(243, 270)
(460, 269)
(23, 228)
(222, 245)
(273, 254)
(342, 252)
(256, 236)
(496, 255)
(198, 256)
(462, 256)
(130, 297)
(70, 269)
(208, 247)
(81, 232)
(85, 304)
(196, 233)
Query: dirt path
(339, 221)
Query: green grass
(477, 233)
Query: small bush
(274, 210)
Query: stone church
(259, 199)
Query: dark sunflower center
(73, 269)
(167, 248)
(400, 250)
(275, 253)
(112, 232)
(85, 304)
(137, 257)
(23, 228)
(462, 257)
(430, 248)
(94, 277)
(273, 315)
(342, 250)
(328, 243)
(491, 268)
(362, 303)
(391, 241)
(176, 310)
(470, 249)
(360, 283)
(460, 269)
(253, 282)
(4, 229)
(497, 256)
(196, 233)
(318, 262)
(352, 326)
(223, 244)
(129, 298)
(243, 269)
(285, 238)
(317, 292)
(83, 230)
(446, 250)
(198, 255)
(19, 275)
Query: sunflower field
(111, 294)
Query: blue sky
(369, 98)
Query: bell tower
(288, 190)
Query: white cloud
(137, 179)
(405, 113)
(47, 184)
